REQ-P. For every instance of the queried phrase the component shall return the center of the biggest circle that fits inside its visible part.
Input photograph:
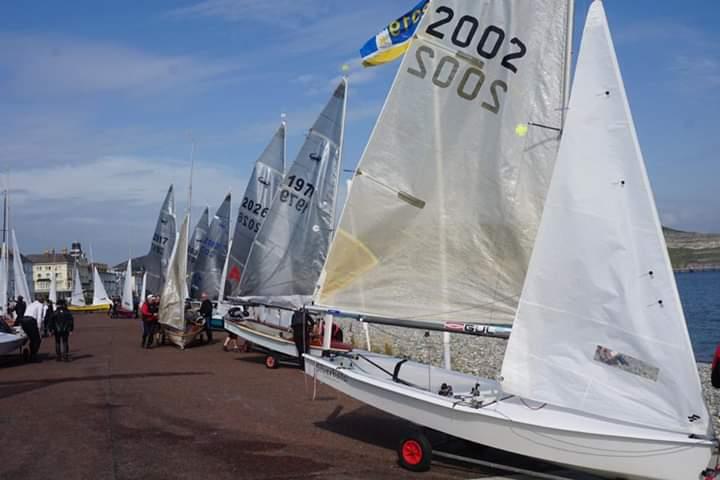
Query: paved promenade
(120, 412)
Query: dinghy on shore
(528, 219)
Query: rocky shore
(479, 356)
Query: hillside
(693, 250)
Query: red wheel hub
(270, 361)
(412, 452)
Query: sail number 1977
(297, 193)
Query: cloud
(48, 65)
(284, 13)
(113, 201)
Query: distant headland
(690, 251)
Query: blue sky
(99, 101)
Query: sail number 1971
(297, 193)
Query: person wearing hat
(206, 310)
(148, 312)
(61, 325)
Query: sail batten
(600, 327)
(446, 200)
(288, 253)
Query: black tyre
(415, 453)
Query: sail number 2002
(472, 78)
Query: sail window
(626, 363)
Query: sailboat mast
(283, 122)
(567, 72)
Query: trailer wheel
(271, 361)
(415, 453)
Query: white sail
(163, 240)
(223, 277)
(174, 293)
(289, 251)
(52, 296)
(127, 294)
(213, 250)
(4, 279)
(143, 288)
(77, 297)
(19, 280)
(600, 327)
(100, 296)
(255, 206)
(445, 203)
(196, 240)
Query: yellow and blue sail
(394, 39)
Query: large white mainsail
(196, 240)
(600, 327)
(77, 297)
(213, 251)
(19, 279)
(143, 288)
(446, 200)
(262, 186)
(289, 251)
(163, 240)
(100, 296)
(127, 296)
(174, 293)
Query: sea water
(700, 295)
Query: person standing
(149, 319)
(35, 310)
(20, 307)
(302, 324)
(61, 326)
(49, 312)
(206, 309)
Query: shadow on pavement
(16, 387)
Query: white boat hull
(269, 338)
(11, 343)
(555, 435)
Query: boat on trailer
(266, 334)
(537, 216)
(285, 259)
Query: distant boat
(101, 302)
(127, 304)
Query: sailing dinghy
(287, 255)
(12, 339)
(599, 372)
(126, 309)
(101, 302)
(178, 324)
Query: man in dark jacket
(49, 312)
(20, 307)
(206, 309)
(62, 324)
(302, 324)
